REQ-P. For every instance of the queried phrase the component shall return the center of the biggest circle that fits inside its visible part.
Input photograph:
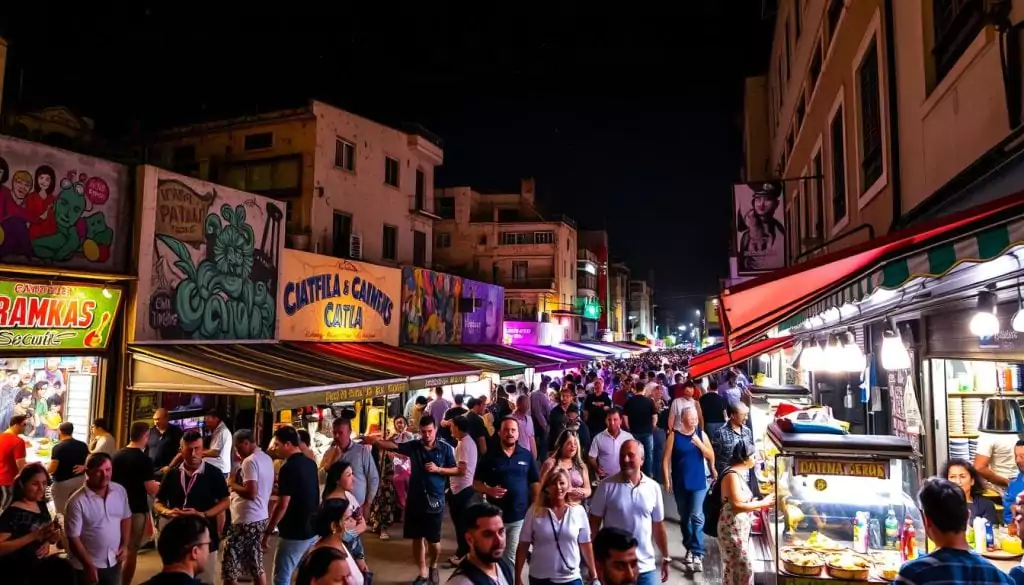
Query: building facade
(596, 241)
(353, 188)
(503, 239)
(641, 310)
(618, 301)
(588, 301)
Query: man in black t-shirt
(163, 443)
(445, 432)
(596, 407)
(134, 471)
(640, 416)
(298, 500)
(713, 406)
(477, 428)
(67, 466)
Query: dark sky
(627, 116)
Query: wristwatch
(666, 560)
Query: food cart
(842, 505)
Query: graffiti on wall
(430, 313)
(483, 323)
(60, 208)
(215, 258)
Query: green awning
(478, 361)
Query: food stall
(764, 407)
(845, 508)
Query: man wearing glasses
(184, 549)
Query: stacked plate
(972, 445)
(955, 415)
(959, 449)
(972, 414)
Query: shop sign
(39, 316)
(363, 392)
(442, 381)
(533, 333)
(842, 467)
(334, 300)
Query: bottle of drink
(892, 530)
(860, 533)
(875, 532)
(908, 542)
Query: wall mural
(213, 265)
(431, 312)
(61, 208)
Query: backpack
(713, 505)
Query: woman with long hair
(323, 566)
(735, 519)
(568, 457)
(331, 525)
(560, 534)
(395, 471)
(26, 528)
(964, 475)
(338, 487)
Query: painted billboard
(46, 316)
(440, 309)
(208, 261)
(60, 208)
(332, 299)
(760, 227)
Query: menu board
(898, 380)
(79, 403)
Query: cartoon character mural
(214, 264)
(67, 221)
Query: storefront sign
(39, 316)
(441, 381)
(842, 467)
(330, 299)
(533, 333)
(362, 392)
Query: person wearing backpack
(687, 464)
(727, 512)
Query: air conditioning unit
(355, 247)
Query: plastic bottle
(875, 533)
(860, 533)
(908, 541)
(892, 530)
(990, 539)
(980, 545)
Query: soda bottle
(908, 542)
(892, 530)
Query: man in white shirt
(219, 453)
(994, 460)
(606, 445)
(463, 494)
(98, 524)
(632, 502)
(250, 487)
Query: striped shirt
(947, 566)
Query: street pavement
(390, 560)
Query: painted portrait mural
(208, 267)
(444, 309)
(60, 208)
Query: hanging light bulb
(834, 354)
(985, 323)
(853, 358)
(894, 354)
(765, 358)
(848, 399)
(811, 356)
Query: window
(525, 238)
(345, 155)
(798, 8)
(801, 110)
(389, 243)
(421, 190)
(835, 10)
(259, 141)
(520, 268)
(798, 222)
(419, 249)
(956, 24)
(342, 234)
(818, 196)
(482, 240)
(391, 167)
(544, 237)
(786, 49)
(870, 119)
(789, 141)
(838, 141)
(815, 65)
(442, 240)
(444, 207)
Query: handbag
(435, 505)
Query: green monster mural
(90, 234)
(217, 299)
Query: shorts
(419, 524)
(243, 550)
(354, 543)
(138, 532)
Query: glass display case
(845, 507)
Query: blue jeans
(649, 578)
(289, 555)
(647, 440)
(659, 452)
(690, 504)
(512, 530)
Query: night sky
(628, 118)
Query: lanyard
(191, 484)
(558, 535)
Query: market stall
(494, 370)
(536, 364)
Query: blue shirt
(421, 481)
(1010, 497)
(516, 474)
(947, 566)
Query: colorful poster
(60, 208)
(43, 316)
(430, 307)
(483, 323)
(760, 227)
(332, 299)
(208, 262)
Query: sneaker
(384, 536)
(697, 564)
(687, 559)
(435, 576)
(421, 581)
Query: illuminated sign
(362, 392)
(329, 299)
(36, 316)
(841, 467)
(441, 381)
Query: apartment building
(868, 135)
(503, 238)
(596, 242)
(641, 309)
(354, 188)
(588, 303)
(618, 302)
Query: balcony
(545, 284)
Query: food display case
(845, 507)
(764, 402)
